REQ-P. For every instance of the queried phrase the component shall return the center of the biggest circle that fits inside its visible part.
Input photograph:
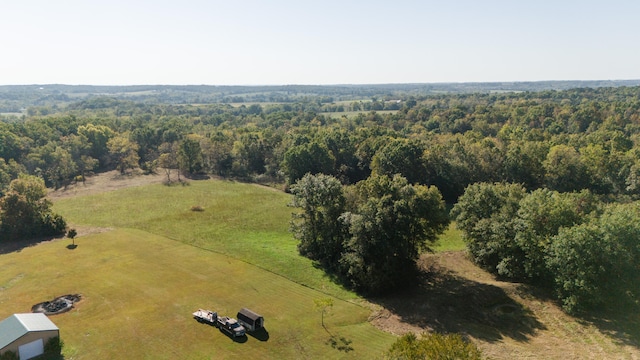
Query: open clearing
(160, 261)
(139, 290)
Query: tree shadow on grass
(340, 343)
(9, 246)
(621, 325)
(447, 303)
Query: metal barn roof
(17, 325)
(250, 314)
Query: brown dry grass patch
(506, 320)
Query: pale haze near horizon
(250, 42)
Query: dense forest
(543, 183)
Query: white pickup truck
(226, 324)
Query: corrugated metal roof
(17, 325)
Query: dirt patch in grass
(58, 305)
(506, 320)
(107, 181)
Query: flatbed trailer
(206, 316)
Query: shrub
(53, 346)
(9, 355)
(433, 347)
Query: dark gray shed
(250, 320)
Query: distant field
(140, 289)
(18, 114)
(337, 115)
(451, 240)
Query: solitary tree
(71, 234)
(324, 305)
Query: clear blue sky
(251, 42)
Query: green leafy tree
(564, 170)
(597, 263)
(524, 163)
(313, 158)
(60, 167)
(79, 148)
(401, 156)
(251, 152)
(216, 152)
(342, 146)
(123, 153)
(321, 200)
(98, 136)
(11, 145)
(486, 215)
(323, 305)
(71, 234)
(540, 216)
(190, 154)
(168, 159)
(374, 246)
(5, 176)
(393, 222)
(26, 213)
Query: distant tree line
(560, 140)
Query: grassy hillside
(244, 221)
(161, 261)
(139, 290)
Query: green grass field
(161, 261)
(451, 240)
(245, 221)
(140, 289)
(142, 280)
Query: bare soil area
(107, 181)
(506, 320)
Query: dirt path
(506, 320)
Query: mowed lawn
(139, 290)
(245, 221)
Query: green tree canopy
(26, 213)
(374, 245)
(321, 200)
(598, 262)
(123, 153)
(392, 223)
